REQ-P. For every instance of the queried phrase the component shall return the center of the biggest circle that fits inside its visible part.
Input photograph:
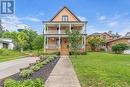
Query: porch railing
(61, 32)
(52, 46)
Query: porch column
(59, 43)
(44, 44)
(84, 42)
(59, 28)
(47, 40)
(70, 27)
(44, 27)
(85, 28)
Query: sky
(102, 15)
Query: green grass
(6, 55)
(103, 69)
(12, 57)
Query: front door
(64, 46)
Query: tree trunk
(21, 49)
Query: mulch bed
(42, 73)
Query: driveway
(11, 67)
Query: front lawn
(103, 70)
(6, 55)
(7, 58)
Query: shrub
(10, 83)
(39, 65)
(38, 82)
(49, 59)
(26, 83)
(43, 62)
(26, 73)
(35, 68)
(42, 57)
(78, 53)
(120, 48)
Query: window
(65, 18)
(104, 36)
(5, 45)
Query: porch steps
(64, 52)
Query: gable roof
(127, 36)
(69, 11)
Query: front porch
(61, 44)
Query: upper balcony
(60, 28)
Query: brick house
(55, 38)
(107, 36)
(124, 39)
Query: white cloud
(93, 29)
(82, 18)
(117, 23)
(41, 14)
(28, 18)
(113, 24)
(10, 22)
(102, 18)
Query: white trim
(70, 27)
(44, 26)
(84, 42)
(59, 43)
(64, 23)
(44, 44)
(59, 28)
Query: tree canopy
(95, 42)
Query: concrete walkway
(63, 75)
(11, 67)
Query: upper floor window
(65, 18)
(104, 36)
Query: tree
(31, 36)
(95, 42)
(74, 38)
(120, 48)
(1, 29)
(38, 43)
(6, 34)
(21, 40)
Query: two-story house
(107, 36)
(55, 38)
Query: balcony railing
(52, 32)
(52, 46)
(61, 32)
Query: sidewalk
(63, 75)
(11, 67)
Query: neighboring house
(124, 39)
(6, 43)
(107, 36)
(55, 38)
